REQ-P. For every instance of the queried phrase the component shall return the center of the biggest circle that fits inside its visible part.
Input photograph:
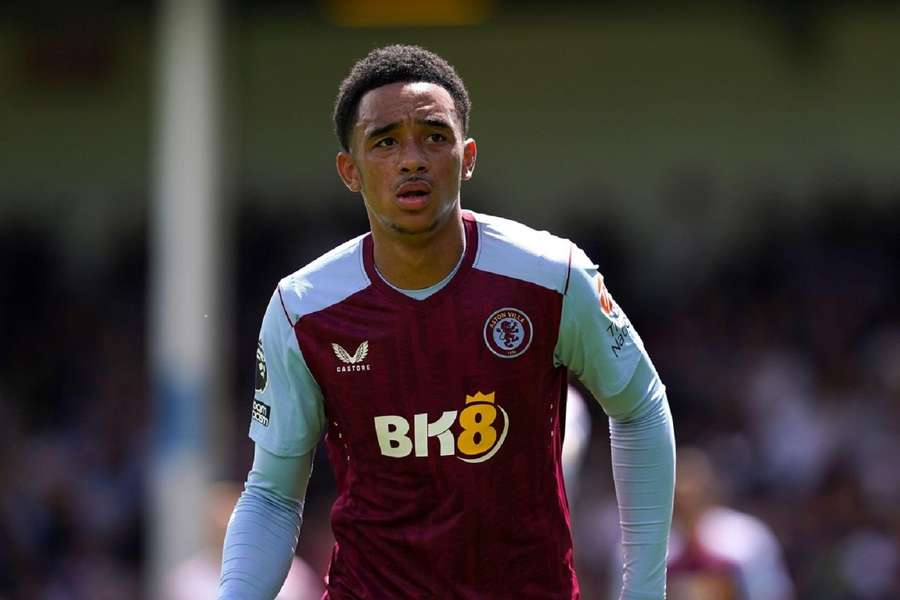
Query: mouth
(413, 194)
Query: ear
(470, 153)
(346, 168)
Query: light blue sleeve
(264, 527)
(599, 345)
(288, 416)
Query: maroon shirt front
(444, 431)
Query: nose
(413, 158)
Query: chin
(406, 228)
(424, 226)
(421, 223)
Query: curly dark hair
(393, 64)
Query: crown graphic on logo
(479, 397)
(357, 357)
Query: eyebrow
(431, 121)
(435, 122)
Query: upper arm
(598, 343)
(288, 411)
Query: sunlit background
(733, 167)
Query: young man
(432, 354)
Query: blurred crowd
(781, 357)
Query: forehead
(397, 102)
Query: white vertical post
(185, 281)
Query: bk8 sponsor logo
(482, 427)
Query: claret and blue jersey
(442, 416)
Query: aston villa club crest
(508, 332)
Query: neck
(413, 264)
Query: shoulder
(515, 250)
(327, 280)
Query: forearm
(643, 459)
(259, 546)
(264, 528)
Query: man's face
(407, 157)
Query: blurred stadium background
(734, 167)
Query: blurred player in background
(719, 553)
(197, 578)
(432, 355)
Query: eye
(437, 137)
(385, 142)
